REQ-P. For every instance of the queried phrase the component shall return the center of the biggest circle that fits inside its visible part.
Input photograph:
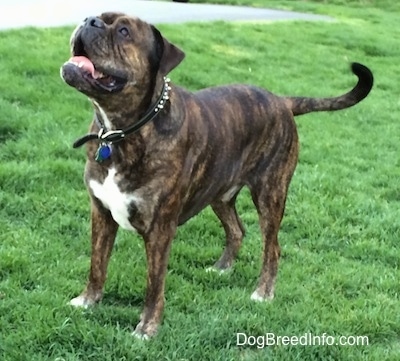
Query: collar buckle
(111, 136)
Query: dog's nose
(95, 22)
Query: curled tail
(303, 105)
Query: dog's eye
(124, 32)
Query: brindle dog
(158, 154)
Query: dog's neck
(110, 132)
(116, 119)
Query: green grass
(311, 5)
(340, 252)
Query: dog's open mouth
(96, 76)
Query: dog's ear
(168, 54)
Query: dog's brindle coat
(200, 150)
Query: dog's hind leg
(234, 231)
(269, 191)
(270, 210)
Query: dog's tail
(303, 105)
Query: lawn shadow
(8, 133)
(115, 299)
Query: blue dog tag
(103, 152)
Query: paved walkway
(48, 13)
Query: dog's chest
(119, 203)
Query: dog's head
(114, 54)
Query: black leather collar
(112, 136)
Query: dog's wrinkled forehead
(110, 18)
(115, 19)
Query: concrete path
(48, 13)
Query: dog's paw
(140, 336)
(255, 296)
(218, 270)
(81, 301)
(145, 331)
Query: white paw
(255, 296)
(140, 336)
(217, 270)
(80, 301)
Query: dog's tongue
(84, 63)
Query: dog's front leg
(104, 230)
(158, 243)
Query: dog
(158, 154)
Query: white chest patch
(114, 200)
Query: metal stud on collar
(165, 95)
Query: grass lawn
(339, 270)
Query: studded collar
(106, 138)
